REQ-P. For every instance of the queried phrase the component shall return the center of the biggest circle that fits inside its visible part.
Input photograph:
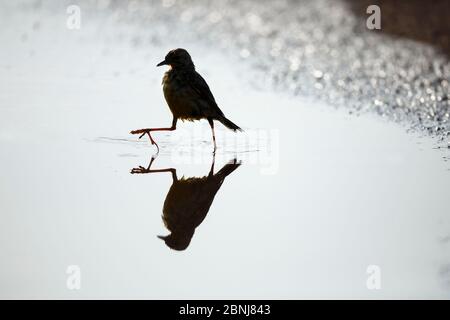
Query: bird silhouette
(187, 95)
(188, 201)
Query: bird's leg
(211, 171)
(147, 131)
(211, 123)
(141, 170)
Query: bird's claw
(139, 170)
(144, 132)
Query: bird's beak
(162, 63)
(162, 238)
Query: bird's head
(177, 242)
(177, 58)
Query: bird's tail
(227, 123)
(228, 168)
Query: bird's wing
(188, 201)
(200, 87)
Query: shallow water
(320, 194)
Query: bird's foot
(139, 170)
(142, 133)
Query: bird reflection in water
(188, 201)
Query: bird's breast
(179, 96)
